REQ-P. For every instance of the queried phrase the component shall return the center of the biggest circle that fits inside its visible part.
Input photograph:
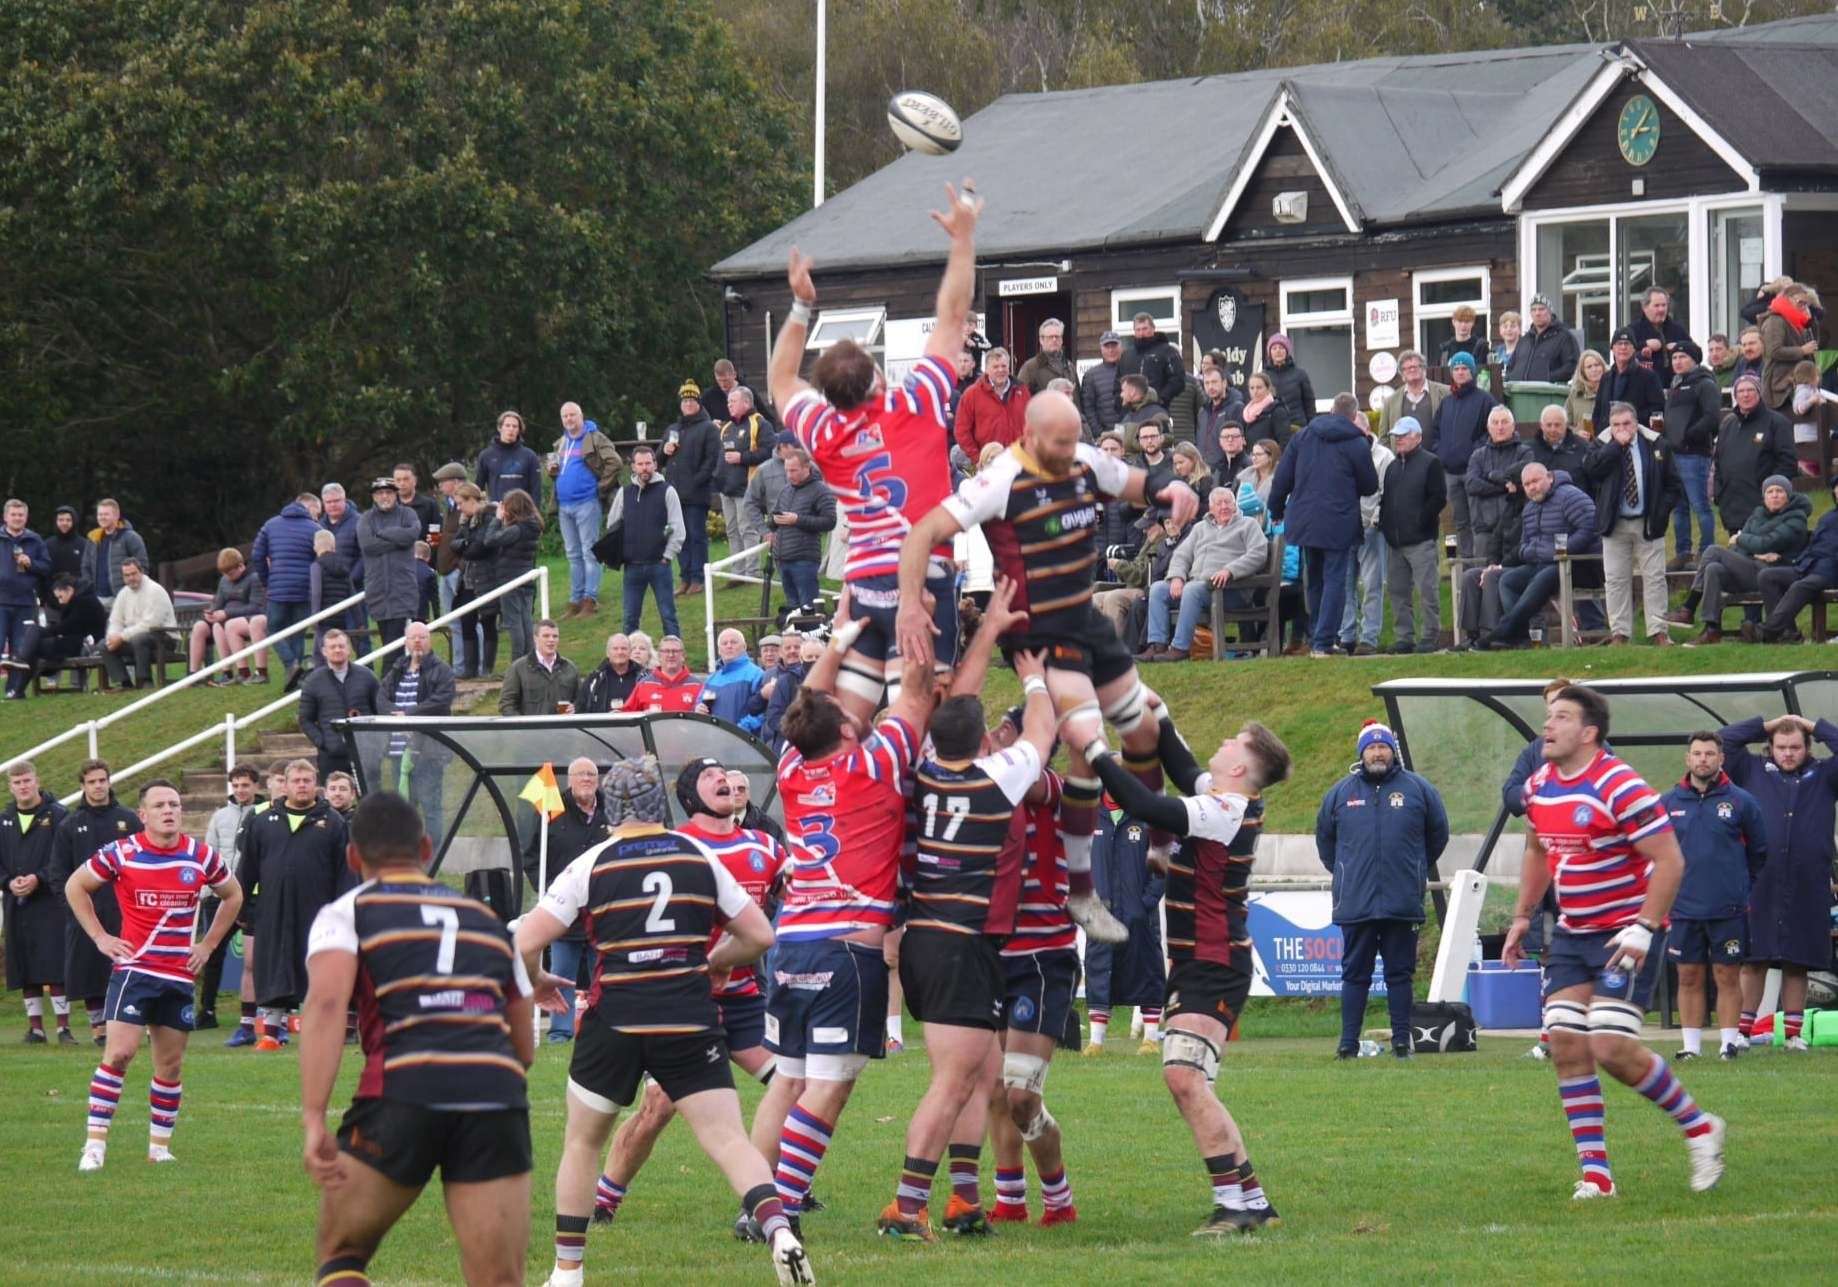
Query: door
(1021, 320)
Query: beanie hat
(690, 389)
(1280, 338)
(1462, 358)
(1748, 377)
(686, 793)
(1372, 733)
(1777, 480)
(633, 791)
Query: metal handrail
(231, 724)
(708, 589)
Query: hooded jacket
(1787, 906)
(282, 555)
(345, 533)
(1380, 836)
(1750, 448)
(1565, 508)
(1318, 483)
(815, 505)
(1291, 386)
(691, 468)
(1694, 405)
(387, 538)
(729, 691)
(1725, 843)
(1158, 361)
(241, 597)
(1784, 533)
(1460, 426)
(123, 543)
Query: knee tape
(767, 1070)
(835, 1067)
(1078, 710)
(1566, 1016)
(1614, 1018)
(1024, 1072)
(860, 683)
(1042, 1123)
(1183, 1049)
(1129, 711)
(792, 1068)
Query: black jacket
(1492, 509)
(1749, 449)
(1416, 489)
(606, 689)
(503, 470)
(1475, 345)
(1694, 405)
(1637, 386)
(35, 923)
(82, 618)
(1460, 426)
(1551, 356)
(325, 699)
(477, 560)
(66, 551)
(1228, 469)
(815, 505)
(83, 831)
(1567, 455)
(1159, 362)
(1602, 468)
(570, 835)
(288, 873)
(435, 694)
(513, 549)
(1207, 423)
(752, 438)
(691, 469)
(1100, 398)
(1292, 387)
(1667, 333)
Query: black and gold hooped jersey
(969, 832)
(652, 900)
(435, 971)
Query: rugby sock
(60, 1006)
(1011, 1187)
(274, 1023)
(1151, 1022)
(248, 1016)
(1055, 1190)
(92, 1010)
(1795, 1021)
(1582, 1100)
(965, 1173)
(344, 1270)
(1693, 1039)
(802, 1144)
(1666, 1090)
(35, 1014)
(1228, 1190)
(1147, 769)
(570, 1241)
(608, 1196)
(762, 1203)
(1078, 822)
(896, 1031)
(1254, 1197)
(1727, 1036)
(104, 1097)
(1746, 1025)
(1100, 1024)
(914, 1192)
(162, 1111)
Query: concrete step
(283, 746)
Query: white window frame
(1421, 312)
(1293, 322)
(1135, 296)
(874, 314)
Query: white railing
(232, 724)
(709, 571)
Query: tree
(249, 247)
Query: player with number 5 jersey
(884, 451)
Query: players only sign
(1296, 947)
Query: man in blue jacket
(1554, 507)
(1789, 921)
(24, 564)
(1724, 840)
(730, 688)
(1454, 432)
(282, 557)
(1380, 832)
(1315, 495)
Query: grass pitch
(1451, 1168)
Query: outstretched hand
(1000, 616)
(798, 275)
(962, 208)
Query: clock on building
(1638, 131)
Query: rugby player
(1208, 879)
(1038, 506)
(159, 875)
(884, 452)
(1603, 839)
(653, 900)
(843, 786)
(965, 889)
(448, 1028)
(705, 791)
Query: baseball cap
(1110, 337)
(1406, 424)
(1622, 334)
(382, 485)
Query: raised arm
(782, 378)
(998, 620)
(958, 219)
(1039, 723)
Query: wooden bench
(1269, 613)
(79, 666)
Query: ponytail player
(159, 875)
(448, 1028)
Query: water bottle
(1370, 1050)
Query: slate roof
(1403, 138)
(1788, 95)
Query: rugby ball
(924, 122)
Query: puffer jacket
(241, 597)
(282, 555)
(1319, 482)
(1820, 557)
(513, 548)
(1293, 389)
(1494, 511)
(1158, 361)
(1380, 836)
(1785, 533)
(1565, 508)
(1693, 408)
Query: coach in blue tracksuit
(1725, 842)
(1132, 972)
(1380, 831)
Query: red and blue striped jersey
(888, 464)
(1589, 825)
(158, 892)
(1042, 923)
(846, 814)
(756, 861)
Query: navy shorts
(146, 999)
(1583, 958)
(829, 997)
(743, 1019)
(1720, 941)
(876, 600)
(1038, 991)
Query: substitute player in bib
(448, 1028)
(755, 860)
(1208, 879)
(843, 786)
(1602, 836)
(159, 876)
(653, 900)
(1038, 506)
(884, 452)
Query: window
(1598, 269)
(1163, 303)
(1654, 250)
(1438, 294)
(1738, 242)
(1573, 269)
(1318, 318)
(863, 325)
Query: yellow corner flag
(542, 793)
